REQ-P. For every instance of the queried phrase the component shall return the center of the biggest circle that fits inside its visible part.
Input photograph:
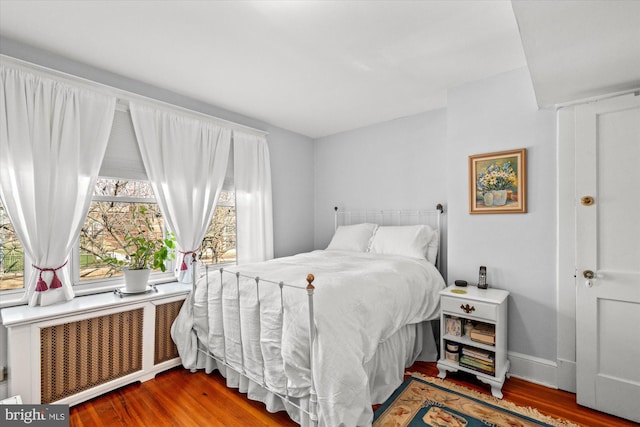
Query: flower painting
(497, 182)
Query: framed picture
(498, 182)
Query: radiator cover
(80, 355)
(98, 343)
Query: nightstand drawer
(475, 309)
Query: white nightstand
(481, 351)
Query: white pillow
(415, 241)
(354, 237)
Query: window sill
(19, 315)
(17, 297)
(95, 287)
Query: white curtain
(254, 212)
(186, 161)
(52, 140)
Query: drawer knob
(467, 308)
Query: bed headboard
(431, 217)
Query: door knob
(588, 274)
(587, 201)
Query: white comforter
(360, 300)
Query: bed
(323, 346)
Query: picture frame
(498, 182)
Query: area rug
(426, 401)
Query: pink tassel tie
(183, 266)
(41, 285)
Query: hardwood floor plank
(179, 398)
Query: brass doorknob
(587, 201)
(588, 274)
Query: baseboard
(567, 375)
(534, 369)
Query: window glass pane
(104, 231)
(219, 244)
(11, 255)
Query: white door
(608, 244)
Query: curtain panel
(254, 236)
(186, 161)
(53, 137)
(254, 210)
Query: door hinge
(3, 373)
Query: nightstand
(473, 334)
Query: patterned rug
(426, 401)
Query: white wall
(390, 165)
(292, 182)
(519, 250)
(398, 164)
(291, 153)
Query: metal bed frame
(381, 217)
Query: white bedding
(361, 299)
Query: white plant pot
(488, 198)
(136, 280)
(499, 197)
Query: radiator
(164, 348)
(80, 355)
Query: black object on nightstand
(482, 280)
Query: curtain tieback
(41, 286)
(183, 266)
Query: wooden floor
(180, 398)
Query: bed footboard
(224, 358)
(256, 330)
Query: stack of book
(484, 333)
(478, 360)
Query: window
(11, 255)
(118, 207)
(219, 243)
(116, 204)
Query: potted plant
(144, 252)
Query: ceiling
(580, 49)
(323, 67)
